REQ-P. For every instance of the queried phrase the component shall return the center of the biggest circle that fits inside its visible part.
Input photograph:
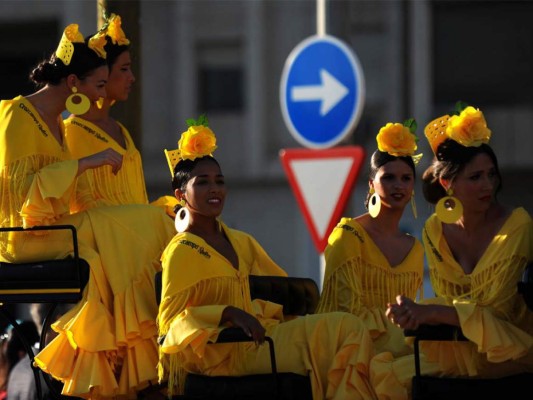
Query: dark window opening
(24, 44)
(220, 89)
(483, 52)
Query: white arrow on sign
(330, 92)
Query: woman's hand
(406, 314)
(105, 157)
(247, 322)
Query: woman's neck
(475, 221)
(386, 223)
(49, 101)
(96, 114)
(204, 227)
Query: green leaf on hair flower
(459, 107)
(202, 120)
(411, 124)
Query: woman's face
(475, 186)
(121, 78)
(205, 192)
(394, 183)
(94, 85)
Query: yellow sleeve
(48, 192)
(84, 198)
(501, 340)
(188, 326)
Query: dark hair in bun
(50, 71)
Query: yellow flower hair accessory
(65, 48)
(112, 28)
(399, 140)
(466, 125)
(469, 128)
(115, 32)
(196, 142)
(97, 43)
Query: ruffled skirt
(106, 345)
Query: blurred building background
(225, 58)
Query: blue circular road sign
(321, 92)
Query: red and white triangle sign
(322, 181)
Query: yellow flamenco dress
(198, 283)
(127, 186)
(493, 316)
(106, 345)
(359, 280)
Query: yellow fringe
(13, 191)
(484, 286)
(370, 286)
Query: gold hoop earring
(183, 217)
(374, 203)
(449, 209)
(77, 103)
(413, 205)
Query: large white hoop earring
(374, 204)
(183, 216)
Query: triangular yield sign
(322, 181)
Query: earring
(77, 103)
(100, 103)
(413, 205)
(183, 217)
(449, 209)
(374, 203)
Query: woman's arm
(247, 322)
(408, 314)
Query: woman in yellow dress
(96, 130)
(476, 250)
(369, 260)
(105, 347)
(205, 288)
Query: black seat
(299, 296)
(49, 281)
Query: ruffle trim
(122, 361)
